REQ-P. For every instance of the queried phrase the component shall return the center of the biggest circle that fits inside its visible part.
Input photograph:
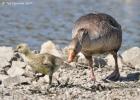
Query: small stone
(132, 56)
(28, 68)
(18, 64)
(138, 89)
(99, 62)
(10, 81)
(46, 78)
(2, 77)
(51, 48)
(111, 61)
(137, 67)
(3, 63)
(16, 68)
(6, 53)
(14, 71)
(28, 74)
(73, 64)
(82, 59)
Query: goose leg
(90, 61)
(115, 75)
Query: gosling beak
(71, 56)
(15, 50)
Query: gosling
(45, 63)
(96, 34)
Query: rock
(73, 64)
(4, 65)
(2, 77)
(15, 71)
(82, 59)
(51, 48)
(137, 67)
(99, 62)
(132, 56)
(111, 61)
(18, 64)
(10, 81)
(6, 55)
(28, 72)
(3, 62)
(16, 68)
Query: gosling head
(22, 48)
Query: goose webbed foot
(114, 76)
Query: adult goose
(96, 34)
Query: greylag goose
(96, 34)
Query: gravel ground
(75, 83)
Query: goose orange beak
(71, 56)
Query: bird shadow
(131, 77)
(92, 88)
(99, 87)
(71, 85)
(100, 62)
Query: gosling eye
(19, 47)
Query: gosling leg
(50, 79)
(36, 77)
(50, 82)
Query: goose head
(76, 43)
(73, 49)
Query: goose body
(95, 34)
